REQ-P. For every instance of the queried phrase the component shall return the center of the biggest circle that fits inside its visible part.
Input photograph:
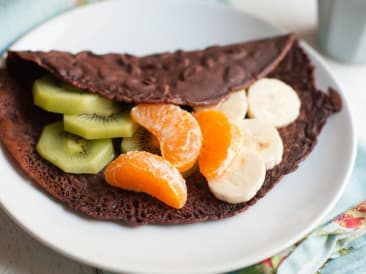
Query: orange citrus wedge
(177, 130)
(221, 142)
(149, 173)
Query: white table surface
(20, 254)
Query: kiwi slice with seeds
(143, 140)
(71, 153)
(53, 95)
(100, 126)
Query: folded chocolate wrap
(186, 78)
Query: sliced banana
(264, 138)
(235, 106)
(274, 101)
(242, 180)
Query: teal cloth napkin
(339, 246)
(19, 16)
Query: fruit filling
(143, 140)
(273, 101)
(55, 96)
(71, 153)
(221, 142)
(178, 132)
(146, 172)
(100, 126)
(163, 143)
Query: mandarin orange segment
(178, 132)
(149, 173)
(221, 142)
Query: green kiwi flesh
(71, 153)
(141, 140)
(55, 96)
(99, 126)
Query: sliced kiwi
(141, 140)
(71, 153)
(100, 126)
(55, 96)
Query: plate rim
(237, 264)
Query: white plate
(286, 214)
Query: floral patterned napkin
(338, 246)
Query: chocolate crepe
(192, 78)
(21, 122)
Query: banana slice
(242, 180)
(274, 101)
(264, 138)
(235, 106)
